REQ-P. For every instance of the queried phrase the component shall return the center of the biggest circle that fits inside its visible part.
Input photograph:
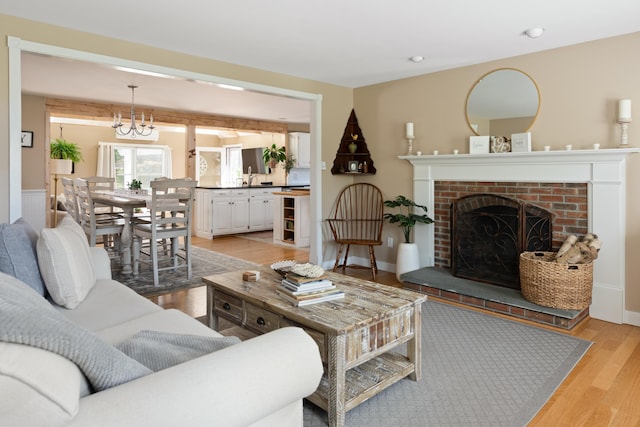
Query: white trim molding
(604, 172)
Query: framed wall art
(26, 139)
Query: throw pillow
(18, 254)
(65, 263)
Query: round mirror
(503, 102)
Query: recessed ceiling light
(533, 32)
(416, 59)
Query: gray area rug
(478, 370)
(203, 262)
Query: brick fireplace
(503, 220)
(586, 188)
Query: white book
(309, 286)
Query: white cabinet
(231, 211)
(202, 214)
(300, 148)
(261, 208)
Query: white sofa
(258, 382)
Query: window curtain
(168, 165)
(106, 160)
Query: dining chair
(97, 225)
(70, 199)
(356, 219)
(169, 220)
(102, 183)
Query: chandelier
(133, 129)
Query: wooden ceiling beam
(98, 111)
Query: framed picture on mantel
(479, 144)
(521, 142)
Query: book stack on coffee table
(300, 290)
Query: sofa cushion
(107, 304)
(18, 254)
(33, 378)
(65, 263)
(171, 320)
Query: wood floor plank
(602, 390)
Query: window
(233, 167)
(141, 162)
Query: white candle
(624, 109)
(409, 130)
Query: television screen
(253, 157)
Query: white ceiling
(350, 43)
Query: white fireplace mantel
(604, 172)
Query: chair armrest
(236, 386)
(101, 263)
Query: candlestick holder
(624, 136)
(410, 145)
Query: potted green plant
(274, 155)
(289, 163)
(408, 258)
(135, 184)
(63, 153)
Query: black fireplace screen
(488, 233)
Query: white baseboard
(608, 303)
(632, 318)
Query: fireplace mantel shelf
(604, 172)
(544, 157)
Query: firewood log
(568, 244)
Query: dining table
(127, 202)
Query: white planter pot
(60, 166)
(408, 258)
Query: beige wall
(579, 85)
(33, 173)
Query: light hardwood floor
(603, 389)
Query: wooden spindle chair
(357, 219)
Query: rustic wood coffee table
(354, 334)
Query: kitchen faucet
(250, 176)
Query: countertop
(255, 186)
(292, 193)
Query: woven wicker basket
(550, 284)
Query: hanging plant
(63, 149)
(274, 155)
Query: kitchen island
(291, 218)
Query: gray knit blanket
(27, 318)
